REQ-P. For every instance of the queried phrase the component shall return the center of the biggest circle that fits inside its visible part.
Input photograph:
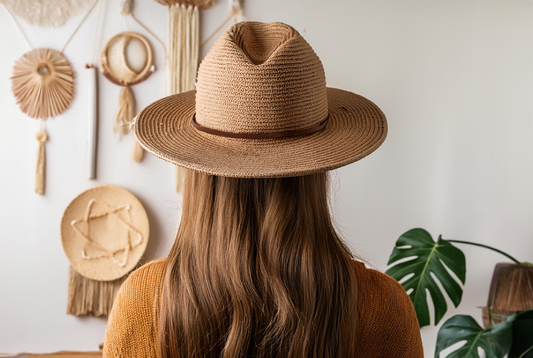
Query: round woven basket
(101, 220)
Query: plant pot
(511, 290)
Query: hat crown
(261, 78)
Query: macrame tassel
(88, 297)
(40, 169)
(183, 53)
(126, 111)
(138, 151)
(180, 178)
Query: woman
(257, 269)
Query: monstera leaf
(522, 336)
(426, 257)
(495, 341)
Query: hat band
(274, 135)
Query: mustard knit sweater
(388, 327)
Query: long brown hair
(257, 270)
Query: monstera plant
(419, 263)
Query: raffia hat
(104, 232)
(261, 108)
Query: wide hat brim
(356, 127)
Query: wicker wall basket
(511, 290)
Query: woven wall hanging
(126, 60)
(104, 233)
(45, 12)
(183, 47)
(43, 86)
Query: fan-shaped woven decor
(47, 12)
(201, 4)
(43, 83)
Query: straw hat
(104, 232)
(261, 108)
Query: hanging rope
(79, 25)
(70, 37)
(126, 8)
(235, 9)
(18, 27)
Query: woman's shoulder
(143, 284)
(376, 285)
(131, 327)
(387, 319)
(148, 272)
(142, 287)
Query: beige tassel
(180, 178)
(40, 169)
(138, 151)
(126, 111)
(88, 297)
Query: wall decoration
(183, 47)
(126, 60)
(104, 232)
(43, 85)
(92, 105)
(92, 119)
(47, 13)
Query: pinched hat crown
(261, 78)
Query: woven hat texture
(104, 232)
(261, 108)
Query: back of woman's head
(257, 270)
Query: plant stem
(487, 247)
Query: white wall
(455, 80)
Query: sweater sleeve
(388, 323)
(131, 328)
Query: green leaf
(428, 256)
(522, 336)
(495, 341)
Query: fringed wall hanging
(46, 13)
(43, 86)
(183, 47)
(104, 233)
(126, 60)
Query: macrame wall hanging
(42, 80)
(183, 47)
(46, 13)
(126, 60)
(104, 233)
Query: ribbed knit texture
(388, 327)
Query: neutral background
(455, 80)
